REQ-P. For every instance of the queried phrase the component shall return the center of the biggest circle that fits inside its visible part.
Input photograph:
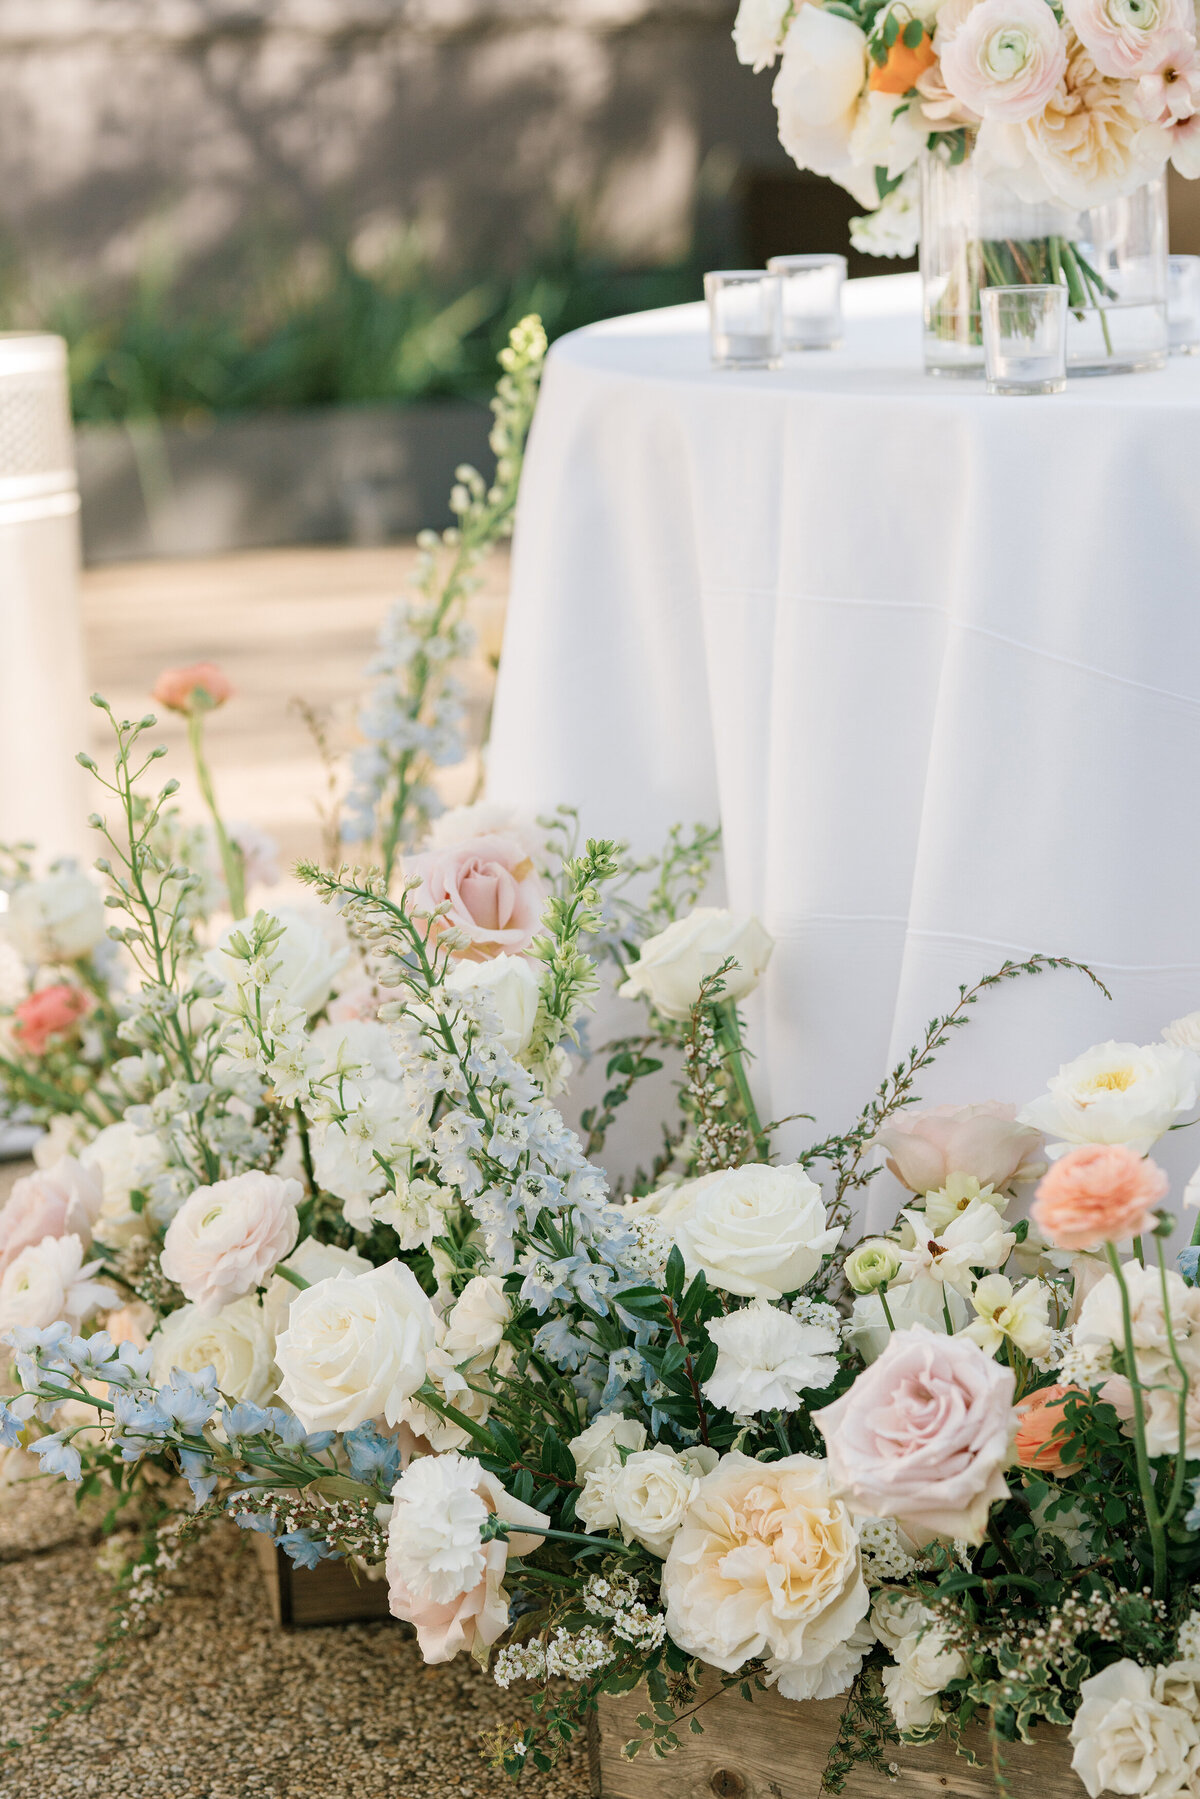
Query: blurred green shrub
(320, 330)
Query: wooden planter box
(773, 1748)
(327, 1594)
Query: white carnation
(766, 1359)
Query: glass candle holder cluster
(756, 316)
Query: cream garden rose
(59, 919)
(1117, 1093)
(236, 1343)
(226, 1239)
(652, 1490)
(766, 1564)
(1128, 1741)
(356, 1347)
(755, 1230)
(673, 964)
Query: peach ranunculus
(766, 1563)
(49, 1012)
(924, 1436)
(1005, 59)
(490, 887)
(60, 1201)
(1043, 1434)
(225, 1240)
(201, 686)
(983, 1142)
(1099, 1193)
(443, 1578)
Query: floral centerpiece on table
(1069, 105)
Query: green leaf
(676, 1273)
(913, 35)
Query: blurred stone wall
(196, 125)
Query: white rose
(1127, 1741)
(920, 1301)
(313, 1261)
(127, 1160)
(303, 961)
(59, 919)
(599, 1446)
(512, 985)
(651, 1493)
(1117, 1093)
(49, 1281)
(476, 1322)
(673, 964)
(766, 1359)
(754, 1230)
(816, 94)
(925, 1662)
(236, 1343)
(757, 31)
(355, 1348)
(887, 134)
(356, 1046)
(486, 818)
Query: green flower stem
(887, 1310)
(305, 1151)
(1175, 1497)
(1154, 1520)
(729, 1029)
(231, 857)
(289, 1274)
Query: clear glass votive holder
(1025, 338)
(1183, 305)
(811, 299)
(744, 318)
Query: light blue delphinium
(305, 1550)
(58, 1457)
(1188, 1264)
(374, 1458)
(10, 1427)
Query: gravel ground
(219, 1703)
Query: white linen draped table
(931, 658)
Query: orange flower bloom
(1042, 1435)
(900, 71)
(201, 684)
(49, 1012)
(1099, 1193)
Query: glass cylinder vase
(1112, 259)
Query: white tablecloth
(932, 658)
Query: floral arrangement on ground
(1066, 106)
(311, 1249)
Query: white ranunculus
(513, 986)
(873, 1264)
(226, 1239)
(755, 1230)
(766, 1359)
(1117, 1093)
(50, 1280)
(919, 1301)
(236, 1344)
(757, 32)
(303, 959)
(766, 1564)
(355, 1348)
(652, 1492)
(58, 919)
(126, 1160)
(1127, 1741)
(821, 77)
(673, 964)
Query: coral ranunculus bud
(202, 685)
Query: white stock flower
(58, 919)
(755, 1230)
(766, 1359)
(1127, 1741)
(513, 986)
(766, 1564)
(757, 31)
(415, 1209)
(236, 1343)
(1019, 1315)
(922, 1300)
(652, 1492)
(673, 964)
(1117, 1093)
(893, 228)
(816, 94)
(355, 1348)
(226, 1239)
(303, 961)
(50, 1280)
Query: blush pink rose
(442, 1577)
(490, 887)
(983, 1142)
(1005, 58)
(226, 1239)
(1099, 1193)
(50, 1012)
(201, 685)
(924, 1436)
(61, 1201)
(1124, 42)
